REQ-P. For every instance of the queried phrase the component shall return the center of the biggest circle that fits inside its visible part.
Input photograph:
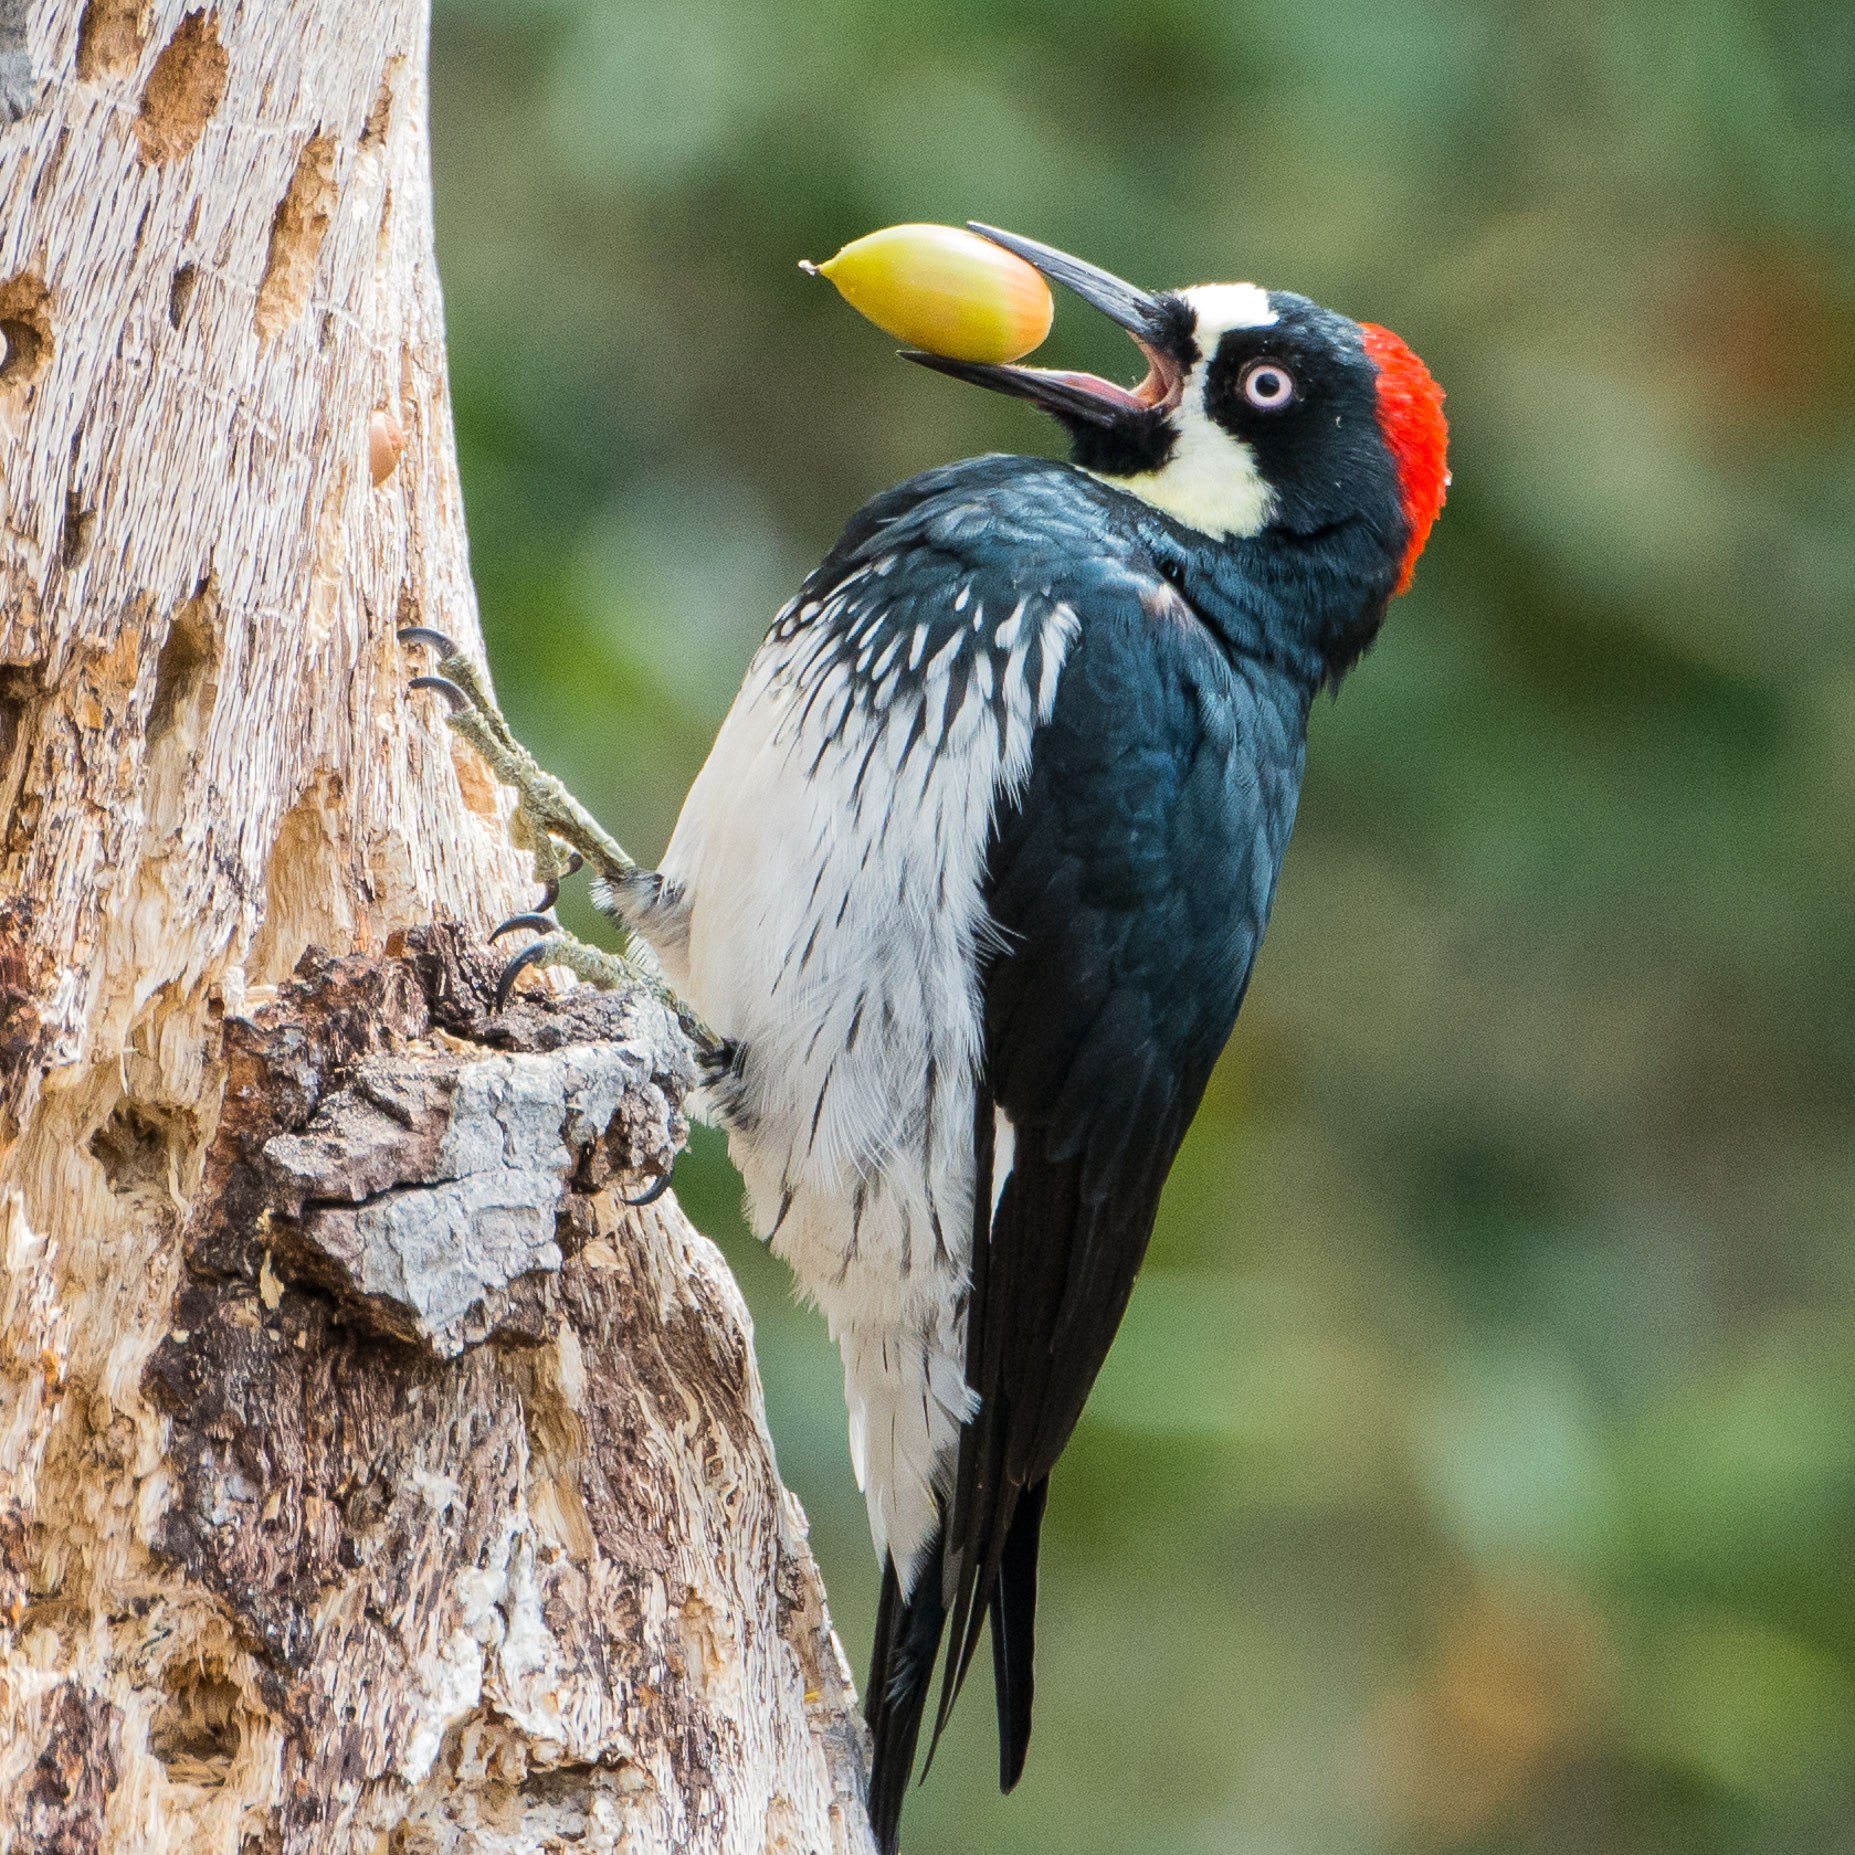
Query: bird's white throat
(1212, 481)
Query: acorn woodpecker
(969, 890)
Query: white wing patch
(832, 851)
(1004, 1151)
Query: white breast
(832, 852)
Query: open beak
(1157, 323)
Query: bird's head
(1260, 410)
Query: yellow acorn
(943, 289)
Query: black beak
(1161, 324)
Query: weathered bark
(370, 1477)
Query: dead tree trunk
(370, 1478)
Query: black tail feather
(908, 1632)
(1014, 1633)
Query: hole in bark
(298, 228)
(21, 351)
(132, 1148)
(195, 1731)
(567, 1785)
(25, 330)
(180, 294)
(21, 705)
(380, 115)
(79, 524)
(185, 87)
(182, 670)
(180, 710)
(16, 692)
(23, 975)
(306, 886)
(365, 1503)
(111, 37)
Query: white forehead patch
(1211, 481)
(1220, 307)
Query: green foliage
(1476, 1472)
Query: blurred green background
(1476, 1469)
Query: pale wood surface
(275, 1573)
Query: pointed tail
(1014, 1637)
(907, 1643)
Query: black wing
(1132, 883)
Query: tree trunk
(370, 1477)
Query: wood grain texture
(360, 1488)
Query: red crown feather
(1410, 413)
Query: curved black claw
(424, 634)
(450, 691)
(538, 924)
(528, 956)
(651, 1196)
(551, 887)
(550, 890)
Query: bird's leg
(559, 833)
(547, 814)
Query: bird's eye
(1267, 385)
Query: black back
(1130, 881)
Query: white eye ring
(1267, 385)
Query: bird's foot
(561, 835)
(550, 823)
(611, 972)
